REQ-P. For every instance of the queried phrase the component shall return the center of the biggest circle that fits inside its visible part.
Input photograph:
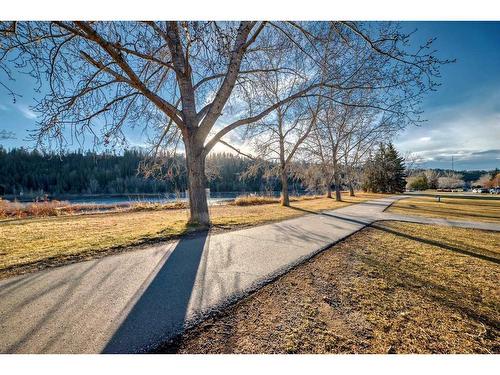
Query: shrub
(36, 209)
(149, 206)
(254, 200)
(417, 183)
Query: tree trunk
(338, 196)
(197, 182)
(285, 199)
(329, 191)
(351, 190)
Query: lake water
(214, 198)
(112, 199)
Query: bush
(149, 206)
(36, 209)
(417, 183)
(255, 200)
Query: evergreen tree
(395, 170)
(385, 171)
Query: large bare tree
(182, 77)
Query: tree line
(32, 173)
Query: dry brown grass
(9, 210)
(474, 209)
(33, 243)
(231, 216)
(59, 239)
(387, 289)
(258, 200)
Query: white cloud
(26, 112)
(470, 132)
(3, 107)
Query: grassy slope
(54, 240)
(470, 208)
(383, 290)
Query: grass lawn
(391, 288)
(33, 243)
(460, 208)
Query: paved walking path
(441, 221)
(133, 301)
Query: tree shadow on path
(161, 306)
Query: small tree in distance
(495, 181)
(450, 181)
(485, 181)
(432, 178)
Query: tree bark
(351, 190)
(329, 191)
(285, 199)
(197, 182)
(338, 196)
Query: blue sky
(463, 115)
